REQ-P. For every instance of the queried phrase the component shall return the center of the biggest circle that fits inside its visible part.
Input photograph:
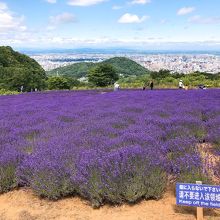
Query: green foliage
(7, 178)
(157, 182)
(62, 82)
(18, 70)
(72, 82)
(133, 75)
(103, 75)
(194, 79)
(122, 65)
(130, 186)
(126, 67)
(127, 188)
(76, 70)
(8, 92)
(57, 82)
(164, 79)
(160, 75)
(134, 81)
(193, 176)
(51, 185)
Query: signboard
(198, 195)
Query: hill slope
(122, 65)
(18, 70)
(126, 66)
(11, 58)
(77, 70)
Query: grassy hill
(122, 65)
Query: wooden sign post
(199, 210)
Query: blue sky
(144, 24)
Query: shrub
(46, 175)
(9, 160)
(7, 178)
(214, 138)
(8, 92)
(57, 82)
(51, 183)
(182, 155)
(193, 176)
(126, 175)
(107, 147)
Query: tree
(160, 75)
(57, 82)
(72, 81)
(103, 75)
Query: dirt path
(23, 205)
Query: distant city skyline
(138, 24)
(181, 63)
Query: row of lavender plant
(113, 147)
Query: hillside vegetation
(76, 70)
(18, 70)
(122, 65)
(133, 75)
(126, 66)
(166, 79)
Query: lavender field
(110, 147)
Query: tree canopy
(102, 75)
(57, 82)
(18, 70)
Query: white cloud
(131, 18)
(63, 18)
(201, 20)
(116, 7)
(84, 2)
(143, 2)
(45, 40)
(10, 21)
(60, 19)
(185, 10)
(52, 1)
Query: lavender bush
(126, 174)
(110, 147)
(9, 161)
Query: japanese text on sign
(198, 195)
